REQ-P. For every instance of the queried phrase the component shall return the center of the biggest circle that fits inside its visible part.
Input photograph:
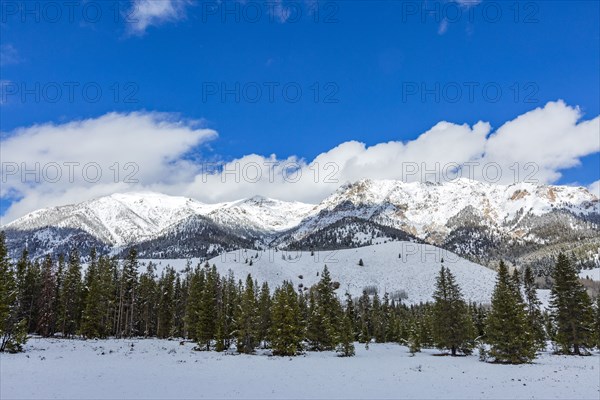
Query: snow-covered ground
(414, 273)
(159, 369)
(593, 274)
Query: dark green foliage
(507, 329)
(70, 312)
(286, 329)
(13, 328)
(345, 347)
(451, 323)
(325, 312)
(46, 298)
(571, 309)
(166, 304)
(264, 313)
(534, 313)
(247, 337)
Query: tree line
(53, 296)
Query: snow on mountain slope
(415, 273)
(425, 208)
(131, 218)
(261, 214)
(117, 219)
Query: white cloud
(594, 188)
(145, 13)
(155, 144)
(552, 138)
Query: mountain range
(522, 223)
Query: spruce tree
(71, 296)
(127, 297)
(46, 298)
(571, 309)
(94, 320)
(286, 329)
(13, 328)
(597, 326)
(324, 315)
(194, 304)
(345, 347)
(207, 320)
(247, 319)
(507, 328)
(148, 299)
(264, 313)
(534, 313)
(452, 324)
(166, 304)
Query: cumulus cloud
(145, 13)
(53, 164)
(594, 188)
(535, 146)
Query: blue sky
(368, 60)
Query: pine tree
(345, 347)
(208, 308)
(93, 321)
(194, 304)
(534, 313)
(286, 329)
(264, 313)
(452, 324)
(571, 309)
(46, 318)
(364, 318)
(324, 315)
(127, 295)
(13, 333)
(148, 299)
(247, 319)
(507, 327)
(598, 322)
(71, 296)
(166, 304)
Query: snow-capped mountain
(522, 222)
(131, 218)
(426, 210)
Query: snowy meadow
(159, 369)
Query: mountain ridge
(478, 220)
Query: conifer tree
(571, 309)
(534, 313)
(127, 295)
(194, 304)
(286, 329)
(13, 333)
(324, 315)
(94, 320)
(148, 299)
(71, 296)
(208, 308)
(507, 330)
(248, 319)
(345, 347)
(166, 304)
(452, 324)
(363, 320)
(46, 317)
(597, 326)
(264, 313)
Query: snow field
(159, 369)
